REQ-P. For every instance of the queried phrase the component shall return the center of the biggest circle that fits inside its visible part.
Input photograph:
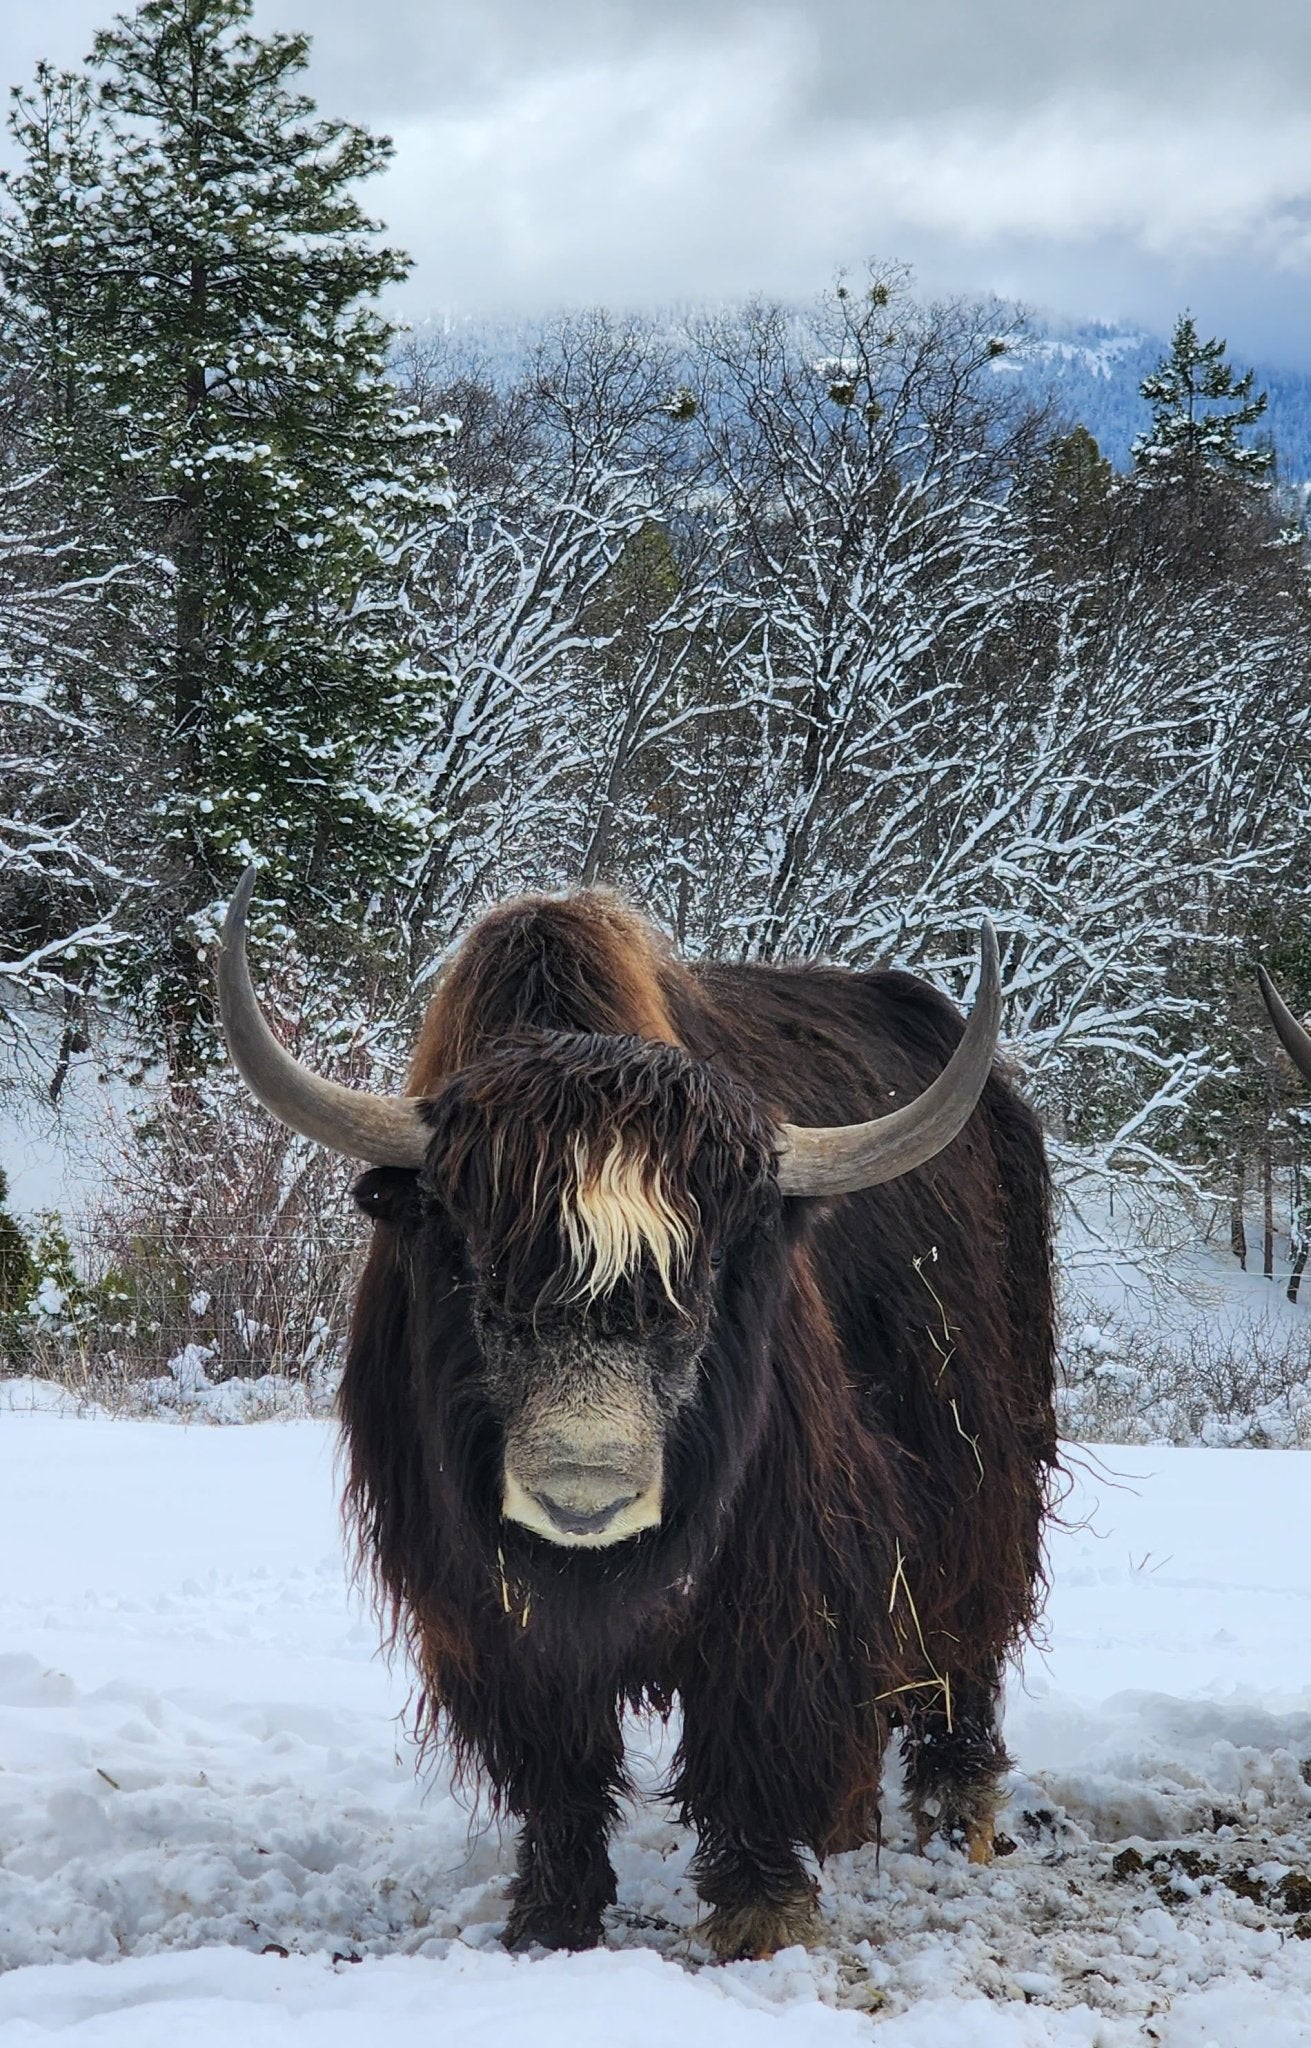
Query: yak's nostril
(583, 1522)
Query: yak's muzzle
(585, 1443)
(582, 1504)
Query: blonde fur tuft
(616, 1210)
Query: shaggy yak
(703, 1352)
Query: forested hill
(1094, 371)
(1091, 370)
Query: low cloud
(670, 178)
(1137, 157)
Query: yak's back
(826, 1044)
(940, 1282)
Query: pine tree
(1187, 434)
(184, 237)
(17, 1268)
(1066, 500)
(63, 755)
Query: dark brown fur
(851, 1537)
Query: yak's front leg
(760, 1788)
(554, 1754)
(761, 1895)
(566, 1788)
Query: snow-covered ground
(211, 1828)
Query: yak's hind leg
(954, 1767)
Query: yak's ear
(389, 1194)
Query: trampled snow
(211, 1828)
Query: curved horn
(1295, 1040)
(380, 1129)
(842, 1158)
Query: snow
(1166, 1339)
(211, 1826)
(630, 2001)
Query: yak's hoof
(541, 1927)
(979, 1838)
(969, 1823)
(751, 1933)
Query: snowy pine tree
(184, 238)
(64, 762)
(1188, 433)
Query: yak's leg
(758, 1792)
(558, 1765)
(567, 1787)
(563, 1882)
(954, 1768)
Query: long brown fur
(851, 1536)
(538, 964)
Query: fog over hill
(1091, 371)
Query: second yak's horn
(1294, 1037)
(840, 1159)
(383, 1130)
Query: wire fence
(130, 1303)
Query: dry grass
(1195, 1382)
(225, 1251)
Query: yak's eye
(716, 1259)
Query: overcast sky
(1111, 159)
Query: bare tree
(66, 867)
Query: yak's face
(600, 1191)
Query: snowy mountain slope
(201, 1768)
(1093, 372)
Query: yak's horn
(384, 1130)
(842, 1158)
(1295, 1040)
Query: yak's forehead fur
(616, 1212)
(585, 1168)
(544, 963)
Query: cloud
(674, 175)
(600, 149)
(1079, 169)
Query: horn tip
(235, 920)
(989, 956)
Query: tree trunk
(72, 1037)
(1268, 1204)
(1237, 1227)
(184, 1001)
(1298, 1243)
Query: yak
(703, 1355)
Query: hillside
(1093, 371)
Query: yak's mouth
(582, 1507)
